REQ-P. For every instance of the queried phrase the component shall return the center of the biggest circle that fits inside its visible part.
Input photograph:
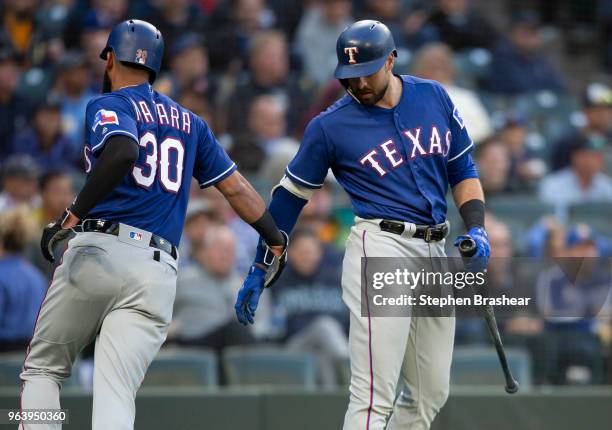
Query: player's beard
(370, 98)
(107, 86)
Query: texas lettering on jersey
(432, 145)
(394, 163)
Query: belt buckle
(428, 232)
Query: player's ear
(389, 62)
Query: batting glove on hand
(248, 296)
(479, 260)
(52, 235)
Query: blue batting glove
(478, 262)
(248, 296)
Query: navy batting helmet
(362, 49)
(136, 42)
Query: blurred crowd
(257, 71)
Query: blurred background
(533, 81)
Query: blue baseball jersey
(175, 145)
(394, 163)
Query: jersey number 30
(165, 158)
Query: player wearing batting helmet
(395, 144)
(117, 280)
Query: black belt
(109, 227)
(429, 233)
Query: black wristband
(473, 213)
(267, 229)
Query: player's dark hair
(301, 232)
(49, 177)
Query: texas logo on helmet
(103, 117)
(351, 51)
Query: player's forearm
(249, 206)
(242, 197)
(469, 198)
(117, 158)
(466, 190)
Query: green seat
(269, 366)
(183, 367)
(524, 209)
(480, 366)
(10, 368)
(595, 214)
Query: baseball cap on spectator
(591, 142)
(20, 166)
(525, 18)
(197, 207)
(598, 94)
(185, 42)
(71, 60)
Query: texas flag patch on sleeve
(104, 117)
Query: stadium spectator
(266, 132)
(233, 26)
(188, 68)
(526, 165)
(92, 41)
(308, 301)
(73, 90)
(269, 74)
(435, 61)
(14, 106)
(597, 112)
(44, 141)
(19, 182)
(205, 295)
(493, 160)
(520, 64)
(174, 19)
(320, 26)
(200, 219)
(19, 25)
(22, 286)
(460, 27)
(584, 180)
(56, 194)
(569, 294)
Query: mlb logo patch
(458, 118)
(104, 117)
(135, 235)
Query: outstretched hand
(248, 296)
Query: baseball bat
(467, 248)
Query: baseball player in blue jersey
(116, 283)
(395, 144)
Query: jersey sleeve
(108, 116)
(460, 164)
(212, 163)
(310, 165)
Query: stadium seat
(523, 209)
(10, 367)
(595, 214)
(186, 367)
(269, 366)
(480, 366)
